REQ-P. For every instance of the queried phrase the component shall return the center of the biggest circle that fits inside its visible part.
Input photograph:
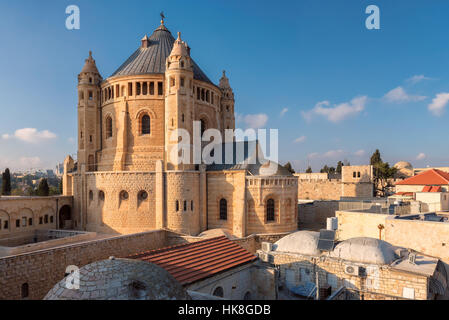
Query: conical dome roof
(151, 60)
(89, 65)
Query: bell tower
(226, 103)
(89, 108)
(178, 102)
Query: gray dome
(121, 279)
(151, 60)
(366, 250)
(302, 242)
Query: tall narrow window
(185, 205)
(223, 209)
(24, 290)
(270, 210)
(146, 125)
(177, 205)
(152, 88)
(108, 127)
(145, 89)
(138, 88)
(130, 89)
(203, 126)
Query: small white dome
(366, 250)
(302, 242)
(403, 165)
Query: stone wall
(251, 281)
(319, 189)
(313, 215)
(41, 270)
(353, 224)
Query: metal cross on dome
(162, 16)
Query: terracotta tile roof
(191, 262)
(429, 177)
(402, 193)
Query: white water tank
(332, 223)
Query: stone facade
(355, 181)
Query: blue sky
(311, 68)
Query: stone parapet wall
(41, 270)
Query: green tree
(331, 170)
(339, 166)
(289, 167)
(375, 158)
(325, 169)
(6, 183)
(383, 174)
(43, 189)
(309, 170)
(60, 186)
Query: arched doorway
(65, 217)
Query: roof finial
(179, 36)
(162, 17)
(224, 73)
(90, 54)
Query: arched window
(143, 195)
(145, 124)
(270, 210)
(247, 296)
(218, 292)
(108, 127)
(223, 209)
(124, 195)
(101, 195)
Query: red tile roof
(403, 194)
(191, 262)
(429, 177)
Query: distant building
(354, 181)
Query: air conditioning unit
(267, 246)
(352, 270)
(263, 256)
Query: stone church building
(123, 180)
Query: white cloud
(256, 121)
(421, 156)
(398, 95)
(360, 153)
(300, 139)
(313, 155)
(333, 154)
(284, 111)
(418, 78)
(339, 112)
(31, 135)
(439, 103)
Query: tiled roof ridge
(160, 250)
